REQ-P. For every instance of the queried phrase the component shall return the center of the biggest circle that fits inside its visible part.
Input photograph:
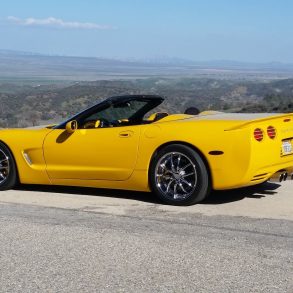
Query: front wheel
(8, 173)
(179, 176)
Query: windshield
(117, 111)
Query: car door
(98, 153)
(104, 142)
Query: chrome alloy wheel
(4, 167)
(176, 175)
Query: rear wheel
(8, 174)
(179, 176)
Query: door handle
(125, 134)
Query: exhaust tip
(280, 176)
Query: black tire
(8, 172)
(189, 174)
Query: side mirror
(71, 126)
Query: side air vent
(27, 158)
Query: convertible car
(121, 143)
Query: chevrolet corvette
(122, 143)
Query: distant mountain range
(215, 63)
(31, 66)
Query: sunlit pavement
(269, 200)
(61, 239)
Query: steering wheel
(89, 124)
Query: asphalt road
(85, 240)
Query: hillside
(25, 105)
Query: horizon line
(154, 59)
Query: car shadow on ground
(257, 192)
(215, 198)
(111, 193)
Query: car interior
(122, 111)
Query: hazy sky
(244, 30)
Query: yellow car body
(120, 157)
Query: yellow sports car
(180, 157)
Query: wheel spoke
(189, 174)
(169, 185)
(4, 160)
(175, 195)
(161, 175)
(185, 167)
(186, 182)
(178, 163)
(182, 188)
(165, 168)
(172, 164)
(167, 171)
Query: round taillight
(258, 134)
(271, 131)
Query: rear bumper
(275, 173)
